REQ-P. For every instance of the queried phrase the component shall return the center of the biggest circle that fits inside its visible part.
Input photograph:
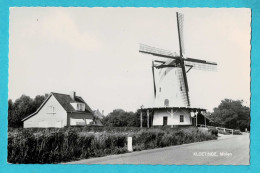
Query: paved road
(228, 150)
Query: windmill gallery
(171, 91)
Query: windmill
(171, 89)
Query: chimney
(72, 95)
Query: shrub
(62, 145)
(237, 132)
(223, 132)
(213, 132)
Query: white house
(170, 116)
(59, 110)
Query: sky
(95, 52)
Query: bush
(237, 132)
(223, 132)
(153, 138)
(62, 145)
(213, 132)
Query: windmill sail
(180, 19)
(154, 85)
(157, 52)
(171, 85)
(180, 22)
(184, 95)
(200, 64)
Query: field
(74, 143)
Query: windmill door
(165, 119)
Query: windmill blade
(183, 89)
(165, 64)
(154, 86)
(180, 21)
(162, 62)
(185, 81)
(198, 64)
(157, 52)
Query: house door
(165, 119)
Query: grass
(67, 144)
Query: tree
(232, 114)
(121, 118)
(10, 113)
(21, 108)
(38, 100)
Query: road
(227, 150)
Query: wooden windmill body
(171, 90)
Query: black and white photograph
(141, 86)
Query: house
(98, 114)
(202, 119)
(59, 110)
(168, 116)
(98, 117)
(97, 122)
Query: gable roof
(98, 122)
(98, 114)
(64, 101)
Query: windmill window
(166, 102)
(181, 118)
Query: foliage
(213, 132)
(121, 118)
(22, 107)
(66, 144)
(232, 114)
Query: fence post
(148, 118)
(172, 117)
(196, 120)
(129, 144)
(141, 119)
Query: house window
(80, 106)
(181, 118)
(51, 110)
